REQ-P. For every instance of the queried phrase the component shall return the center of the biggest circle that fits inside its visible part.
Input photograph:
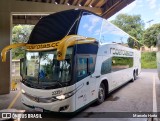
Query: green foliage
(148, 60)
(121, 61)
(20, 34)
(150, 35)
(131, 24)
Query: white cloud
(109, 28)
(140, 3)
(93, 21)
(158, 13)
(85, 26)
(152, 3)
(90, 28)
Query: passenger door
(82, 85)
(93, 78)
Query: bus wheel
(134, 76)
(101, 94)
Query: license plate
(38, 109)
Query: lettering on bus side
(42, 46)
(116, 51)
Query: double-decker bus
(74, 58)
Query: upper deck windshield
(43, 68)
(78, 22)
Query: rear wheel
(134, 76)
(101, 94)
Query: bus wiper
(60, 83)
(52, 86)
(29, 83)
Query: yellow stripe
(14, 100)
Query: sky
(148, 9)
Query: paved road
(137, 96)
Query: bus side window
(85, 67)
(81, 68)
(91, 65)
(106, 66)
(120, 63)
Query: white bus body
(86, 90)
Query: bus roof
(55, 26)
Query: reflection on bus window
(90, 26)
(91, 64)
(119, 63)
(62, 69)
(32, 64)
(106, 66)
(85, 66)
(82, 68)
(44, 67)
(46, 61)
(112, 34)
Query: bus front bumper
(66, 105)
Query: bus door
(93, 78)
(82, 85)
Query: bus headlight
(22, 91)
(65, 96)
(61, 97)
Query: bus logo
(59, 54)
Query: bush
(148, 60)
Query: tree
(20, 34)
(131, 24)
(150, 35)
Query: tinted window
(81, 68)
(106, 66)
(91, 64)
(116, 64)
(119, 63)
(90, 26)
(112, 34)
(54, 27)
(85, 66)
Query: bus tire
(101, 94)
(134, 76)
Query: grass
(148, 60)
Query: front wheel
(101, 94)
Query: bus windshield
(45, 69)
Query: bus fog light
(22, 91)
(61, 97)
(63, 108)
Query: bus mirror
(7, 48)
(22, 64)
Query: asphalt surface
(138, 96)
